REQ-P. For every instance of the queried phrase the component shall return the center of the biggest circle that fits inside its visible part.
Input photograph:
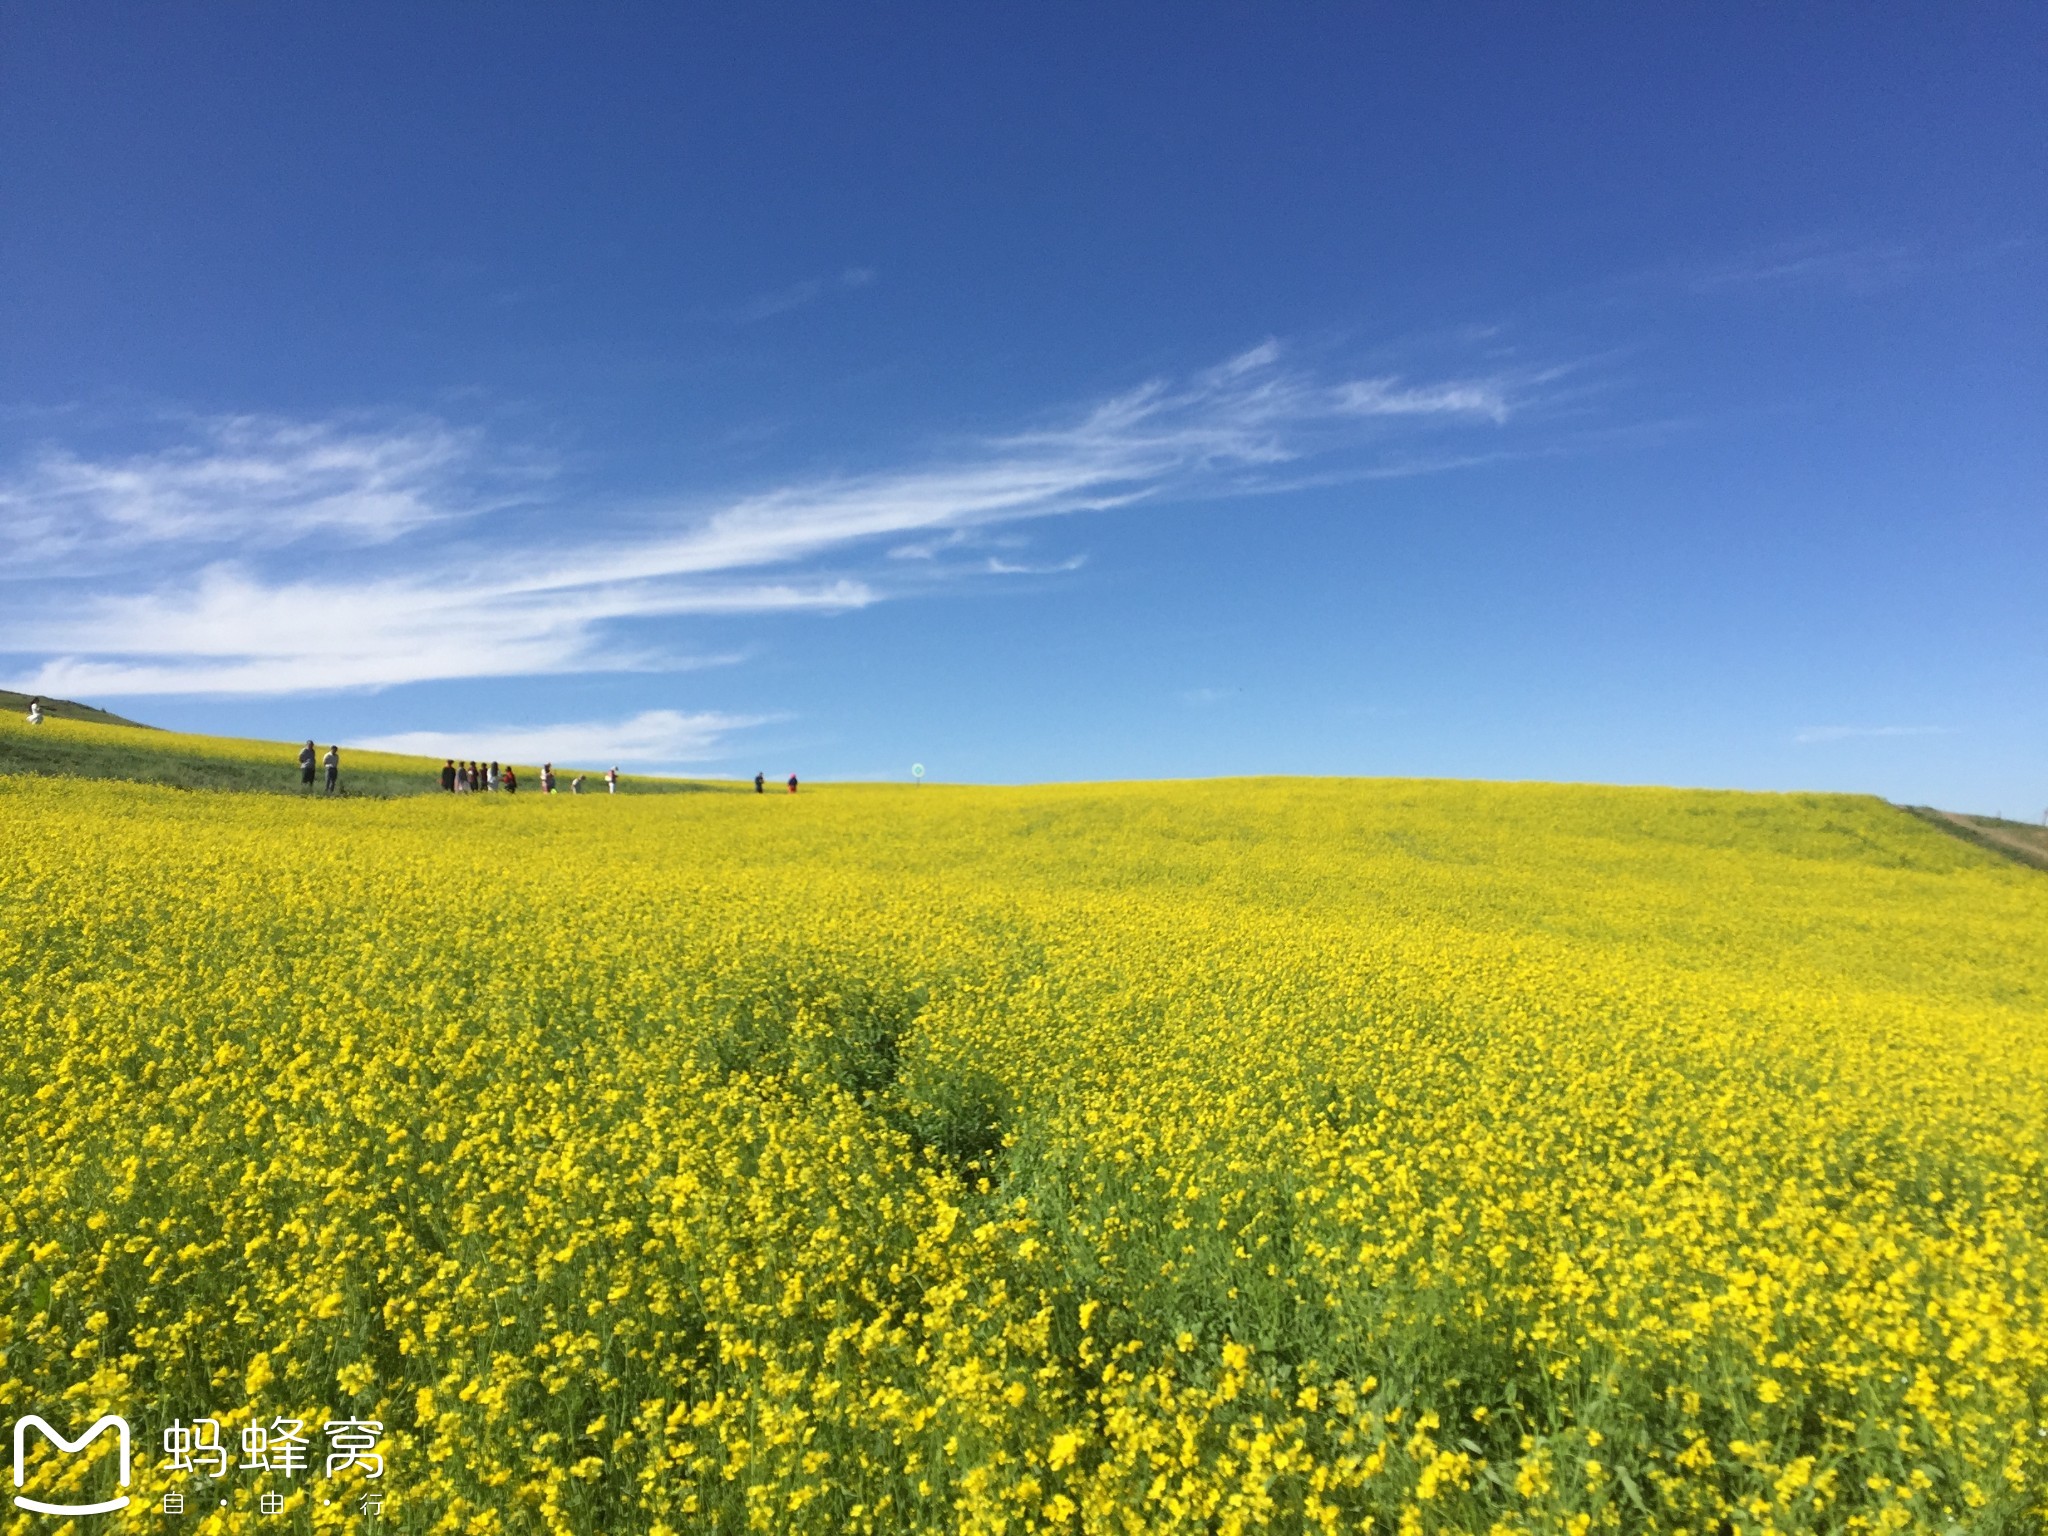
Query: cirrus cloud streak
(268, 557)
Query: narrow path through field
(2014, 839)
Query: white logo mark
(21, 1428)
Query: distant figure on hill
(547, 778)
(760, 784)
(35, 711)
(448, 776)
(332, 762)
(511, 781)
(611, 781)
(576, 785)
(307, 758)
(792, 783)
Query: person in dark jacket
(448, 776)
(307, 758)
(792, 783)
(760, 784)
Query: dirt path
(2016, 839)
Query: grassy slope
(2015, 839)
(64, 709)
(96, 744)
(90, 749)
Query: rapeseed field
(1282, 1156)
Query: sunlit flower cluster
(1290, 1156)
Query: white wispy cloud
(246, 481)
(781, 301)
(1814, 734)
(653, 738)
(1391, 397)
(426, 593)
(231, 633)
(996, 565)
(1859, 269)
(930, 549)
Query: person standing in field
(306, 760)
(491, 778)
(448, 777)
(576, 785)
(611, 781)
(511, 781)
(35, 711)
(792, 783)
(547, 778)
(760, 784)
(332, 762)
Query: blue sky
(1634, 394)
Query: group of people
(484, 778)
(331, 762)
(467, 778)
(456, 778)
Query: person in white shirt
(35, 711)
(611, 781)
